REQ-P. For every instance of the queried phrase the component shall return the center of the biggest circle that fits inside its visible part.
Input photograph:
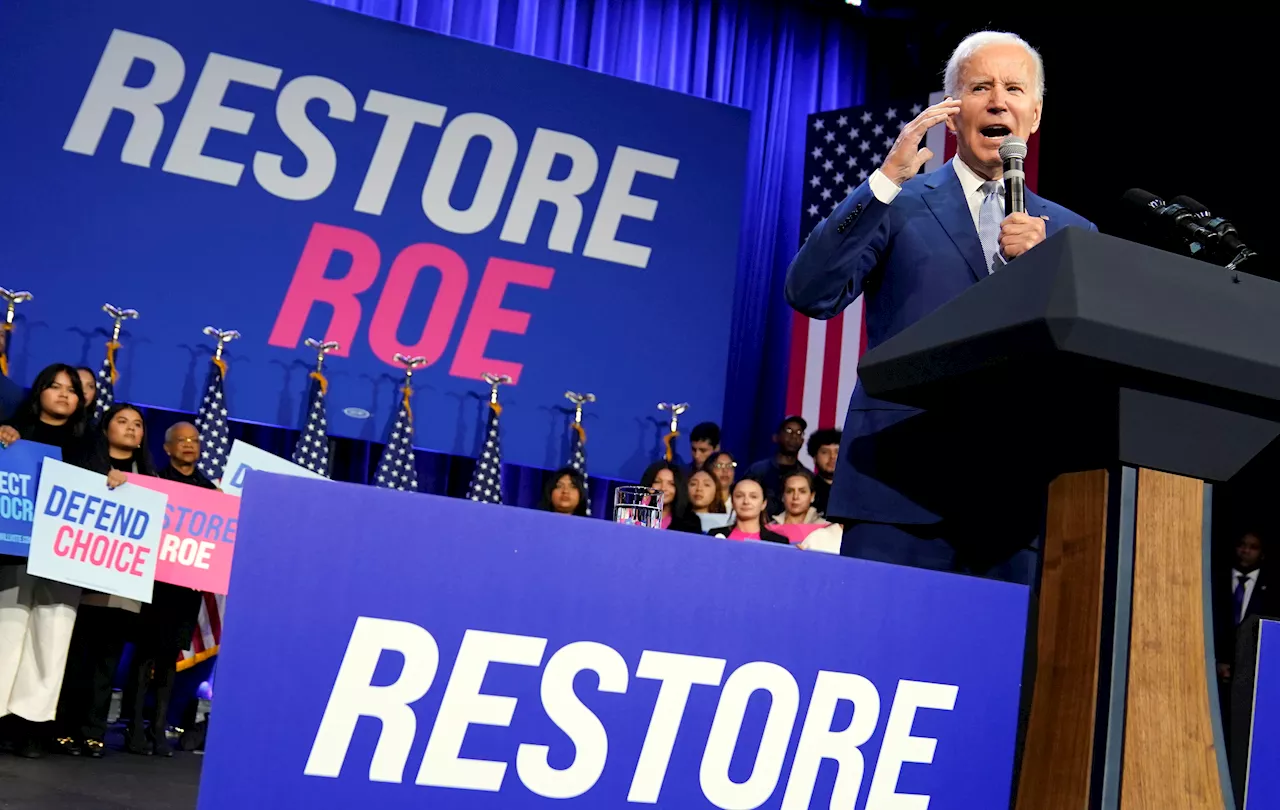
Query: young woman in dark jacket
(104, 622)
(37, 635)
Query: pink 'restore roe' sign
(199, 534)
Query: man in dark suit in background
(916, 491)
(1246, 592)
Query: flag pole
(577, 451)
(312, 448)
(676, 408)
(108, 374)
(321, 348)
(12, 298)
(211, 419)
(397, 469)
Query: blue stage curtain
(780, 60)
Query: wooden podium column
(1170, 758)
(1121, 716)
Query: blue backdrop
(779, 60)
(778, 63)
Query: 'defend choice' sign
(292, 170)
(574, 662)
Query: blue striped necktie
(989, 217)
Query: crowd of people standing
(60, 645)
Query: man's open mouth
(996, 131)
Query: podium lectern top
(1156, 359)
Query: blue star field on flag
(842, 149)
(211, 421)
(312, 450)
(578, 459)
(106, 396)
(486, 481)
(397, 469)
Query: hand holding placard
(85, 534)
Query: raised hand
(8, 436)
(906, 157)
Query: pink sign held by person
(199, 535)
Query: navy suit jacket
(908, 258)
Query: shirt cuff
(883, 188)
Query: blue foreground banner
(292, 170)
(1263, 790)
(399, 650)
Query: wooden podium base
(1125, 713)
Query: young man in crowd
(703, 441)
(773, 471)
(824, 449)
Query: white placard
(102, 539)
(245, 457)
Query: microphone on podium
(1013, 150)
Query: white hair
(975, 42)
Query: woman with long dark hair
(104, 622)
(565, 493)
(676, 512)
(37, 615)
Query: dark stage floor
(118, 781)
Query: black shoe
(94, 748)
(136, 744)
(29, 748)
(68, 746)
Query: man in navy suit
(926, 489)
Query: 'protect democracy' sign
(102, 539)
(577, 663)
(19, 475)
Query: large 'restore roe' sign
(291, 170)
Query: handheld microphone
(1013, 150)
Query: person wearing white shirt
(911, 493)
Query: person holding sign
(105, 622)
(37, 615)
(166, 625)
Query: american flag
(578, 459)
(211, 421)
(398, 468)
(486, 481)
(842, 149)
(208, 635)
(312, 451)
(107, 376)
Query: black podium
(1125, 379)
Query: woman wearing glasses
(725, 469)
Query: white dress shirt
(885, 189)
(1250, 580)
